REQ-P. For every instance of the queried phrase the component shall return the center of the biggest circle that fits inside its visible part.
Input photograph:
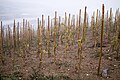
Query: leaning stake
(101, 39)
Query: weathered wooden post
(102, 27)
(55, 45)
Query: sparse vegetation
(63, 49)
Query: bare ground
(66, 67)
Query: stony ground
(66, 67)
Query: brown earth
(66, 67)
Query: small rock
(26, 70)
(115, 65)
(105, 73)
(20, 78)
(44, 51)
(68, 69)
(27, 45)
(109, 58)
(87, 74)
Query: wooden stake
(14, 36)
(59, 30)
(18, 42)
(102, 27)
(84, 26)
(93, 25)
(96, 30)
(9, 40)
(48, 40)
(1, 44)
(73, 29)
(79, 52)
(68, 31)
(23, 42)
(14, 43)
(55, 37)
(65, 21)
(51, 29)
(38, 34)
(77, 25)
(41, 40)
(79, 22)
(29, 39)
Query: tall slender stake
(51, 29)
(6, 37)
(110, 24)
(48, 40)
(78, 32)
(18, 42)
(42, 28)
(23, 42)
(59, 28)
(96, 29)
(38, 33)
(93, 25)
(84, 25)
(111, 18)
(55, 37)
(73, 29)
(100, 57)
(79, 22)
(41, 40)
(23, 30)
(1, 43)
(79, 42)
(68, 31)
(14, 42)
(14, 35)
(29, 39)
(65, 21)
(107, 23)
(2, 37)
(9, 39)
(67, 44)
